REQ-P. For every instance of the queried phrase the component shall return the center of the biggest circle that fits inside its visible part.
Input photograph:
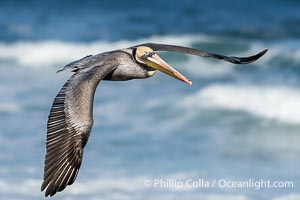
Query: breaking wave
(277, 103)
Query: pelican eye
(147, 54)
(150, 54)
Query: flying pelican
(71, 117)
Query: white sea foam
(110, 187)
(108, 184)
(104, 184)
(289, 50)
(222, 197)
(50, 53)
(95, 186)
(28, 187)
(288, 197)
(178, 196)
(9, 107)
(277, 103)
(205, 68)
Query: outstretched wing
(69, 126)
(187, 50)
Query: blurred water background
(234, 123)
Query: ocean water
(152, 138)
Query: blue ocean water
(234, 124)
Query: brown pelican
(71, 117)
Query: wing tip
(263, 52)
(47, 187)
(259, 55)
(246, 60)
(50, 190)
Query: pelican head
(146, 56)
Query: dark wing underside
(187, 50)
(68, 129)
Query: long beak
(157, 63)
